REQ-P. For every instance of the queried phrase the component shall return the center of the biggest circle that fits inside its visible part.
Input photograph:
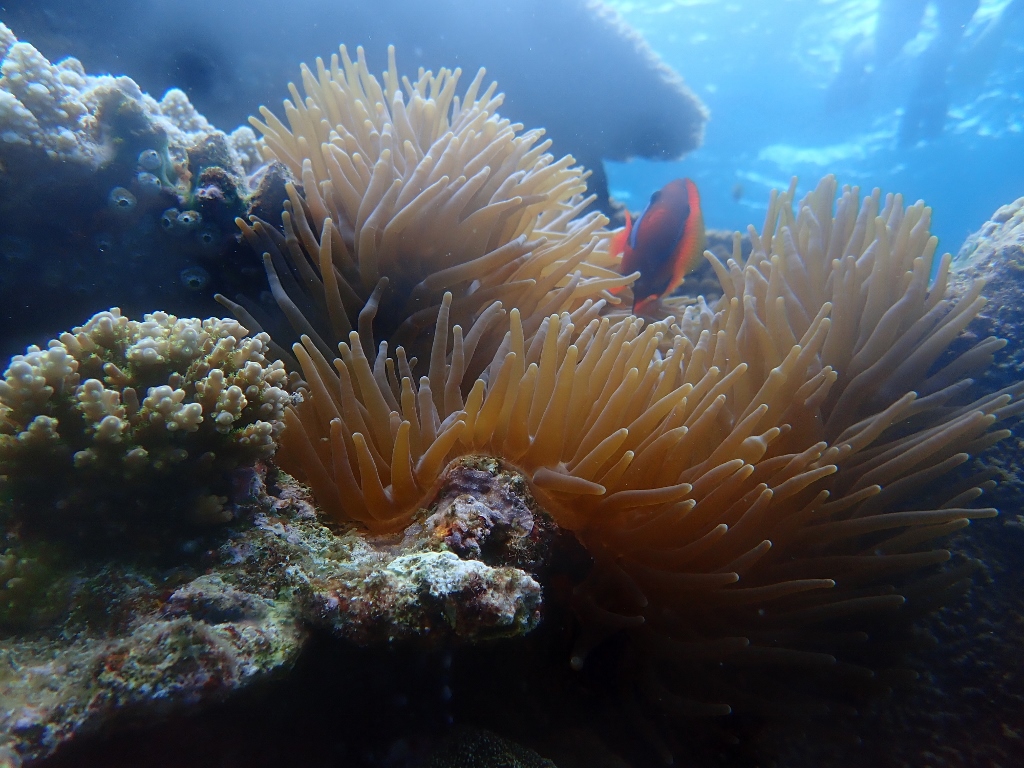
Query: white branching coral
(120, 418)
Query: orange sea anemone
(751, 478)
(410, 191)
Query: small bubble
(195, 278)
(189, 220)
(150, 160)
(103, 242)
(121, 199)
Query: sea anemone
(749, 477)
(409, 192)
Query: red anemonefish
(664, 243)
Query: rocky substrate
(134, 641)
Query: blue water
(768, 69)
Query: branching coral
(408, 192)
(123, 424)
(748, 478)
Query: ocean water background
(768, 72)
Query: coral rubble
(136, 642)
(483, 749)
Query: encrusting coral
(135, 425)
(752, 478)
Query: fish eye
(147, 182)
(189, 219)
(209, 237)
(169, 219)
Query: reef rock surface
(133, 640)
(109, 196)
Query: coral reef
(132, 425)
(748, 490)
(59, 110)
(133, 639)
(770, 455)
(107, 193)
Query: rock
(137, 640)
(995, 254)
(476, 748)
(59, 686)
(470, 570)
(965, 708)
